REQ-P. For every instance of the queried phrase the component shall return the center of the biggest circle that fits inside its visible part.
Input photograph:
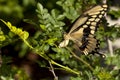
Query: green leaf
(40, 7)
(46, 47)
(60, 17)
(43, 27)
(54, 13)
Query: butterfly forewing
(97, 9)
(80, 21)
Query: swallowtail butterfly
(83, 30)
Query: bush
(33, 43)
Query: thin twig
(110, 48)
(109, 43)
(52, 70)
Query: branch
(52, 70)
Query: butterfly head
(66, 40)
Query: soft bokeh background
(19, 62)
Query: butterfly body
(84, 28)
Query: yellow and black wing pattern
(84, 28)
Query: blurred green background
(19, 62)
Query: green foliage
(2, 37)
(69, 10)
(11, 9)
(6, 72)
(116, 14)
(49, 29)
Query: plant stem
(55, 63)
(65, 68)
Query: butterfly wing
(83, 29)
(92, 16)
